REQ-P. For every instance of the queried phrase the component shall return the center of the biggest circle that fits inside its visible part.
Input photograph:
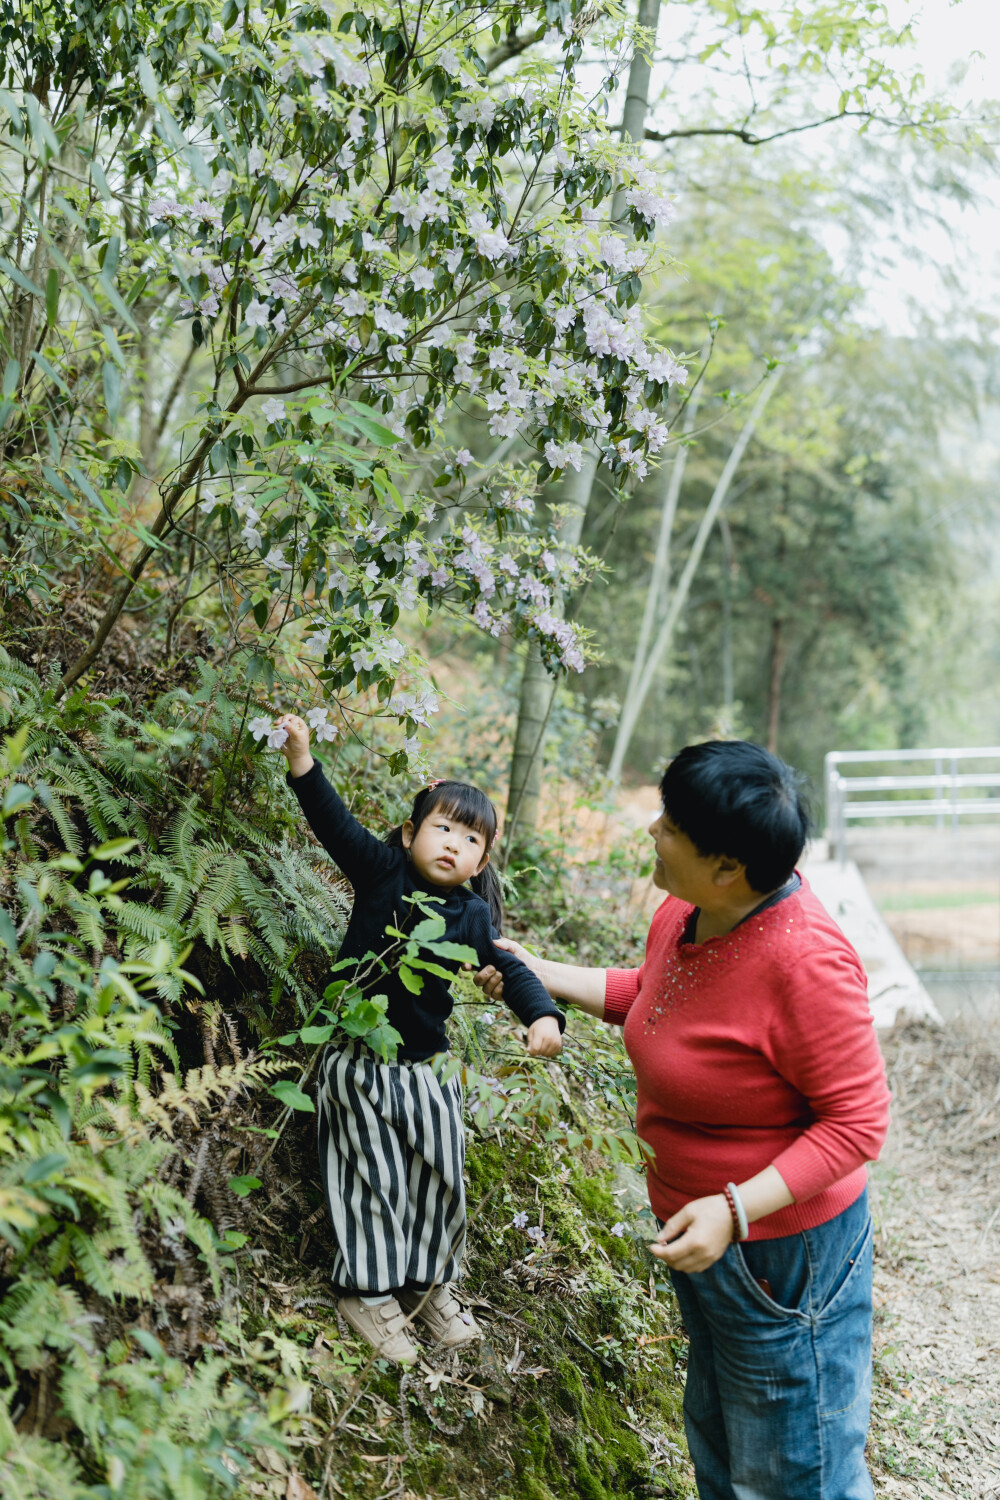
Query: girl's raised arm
(359, 853)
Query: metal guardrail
(949, 793)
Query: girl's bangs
(466, 804)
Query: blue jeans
(778, 1389)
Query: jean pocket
(757, 1292)
(851, 1290)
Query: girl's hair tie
(439, 782)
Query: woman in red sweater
(761, 1097)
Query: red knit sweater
(754, 1049)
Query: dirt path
(936, 1196)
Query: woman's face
(679, 868)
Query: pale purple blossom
(520, 1219)
(259, 727)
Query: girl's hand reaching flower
(295, 747)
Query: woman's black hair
(735, 798)
(468, 805)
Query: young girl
(391, 1141)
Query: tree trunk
(534, 707)
(727, 623)
(774, 688)
(659, 578)
(637, 95)
(537, 688)
(626, 727)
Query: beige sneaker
(443, 1315)
(384, 1327)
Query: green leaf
(291, 1095)
(147, 78)
(41, 131)
(113, 848)
(8, 932)
(45, 1166)
(412, 982)
(16, 797)
(52, 297)
(241, 1186)
(112, 294)
(112, 382)
(24, 282)
(152, 1345)
(313, 1035)
(460, 951)
(429, 929)
(108, 258)
(114, 348)
(100, 181)
(13, 109)
(53, 375)
(368, 421)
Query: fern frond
(170, 1204)
(200, 1088)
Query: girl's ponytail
(487, 885)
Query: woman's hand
(296, 747)
(490, 979)
(544, 1037)
(699, 1235)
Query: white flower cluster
(563, 455)
(276, 736)
(417, 706)
(646, 198)
(262, 728)
(380, 650)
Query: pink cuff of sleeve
(805, 1171)
(621, 986)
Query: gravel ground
(936, 1198)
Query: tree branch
(512, 47)
(749, 139)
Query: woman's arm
(582, 987)
(699, 1233)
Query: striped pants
(391, 1153)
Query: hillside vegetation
(166, 1327)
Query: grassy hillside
(166, 1327)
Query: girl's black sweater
(382, 876)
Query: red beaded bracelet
(737, 1231)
